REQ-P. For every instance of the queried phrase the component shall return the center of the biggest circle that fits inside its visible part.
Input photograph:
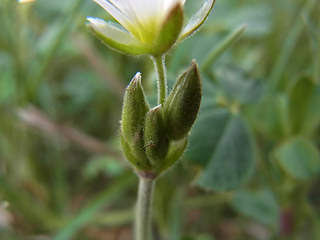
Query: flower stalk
(143, 209)
(159, 64)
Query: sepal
(169, 31)
(138, 163)
(197, 19)
(183, 103)
(134, 110)
(155, 138)
(176, 150)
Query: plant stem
(159, 64)
(143, 211)
(231, 39)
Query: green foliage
(226, 151)
(261, 206)
(300, 94)
(300, 158)
(88, 212)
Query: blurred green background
(252, 168)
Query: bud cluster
(154, 139)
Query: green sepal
(197, 19)
(138, 163)
(155, 139)
(134, 110)
(170, 31)
(183, 103)
(176, 150)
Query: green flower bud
(155, 139)
(183, 103)
(134, 110)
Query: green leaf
(299, 158)
(261, 206)
(210, 126)
(300, 95)
(236, 85)
(102, 165)
(222, 144)
(88, 213)
(312, 118)
(270, 117)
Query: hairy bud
(155, 139)
(183, 103)
(134, 110)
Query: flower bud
(134, 110)
(183, 103)
(155, 139)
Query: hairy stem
(143, 210)
(159, 64)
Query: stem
(143, 211)
(231, 39)
(159, 64)
(288, 48)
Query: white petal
(116, 12)
(169, 4)
(135, 12)
(116, 37)
(127, 8)
(197, 20)
(131, 14)
(141, 11)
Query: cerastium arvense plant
(153, 139)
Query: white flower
(25, 1)
(148, 26)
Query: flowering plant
(153, 139)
